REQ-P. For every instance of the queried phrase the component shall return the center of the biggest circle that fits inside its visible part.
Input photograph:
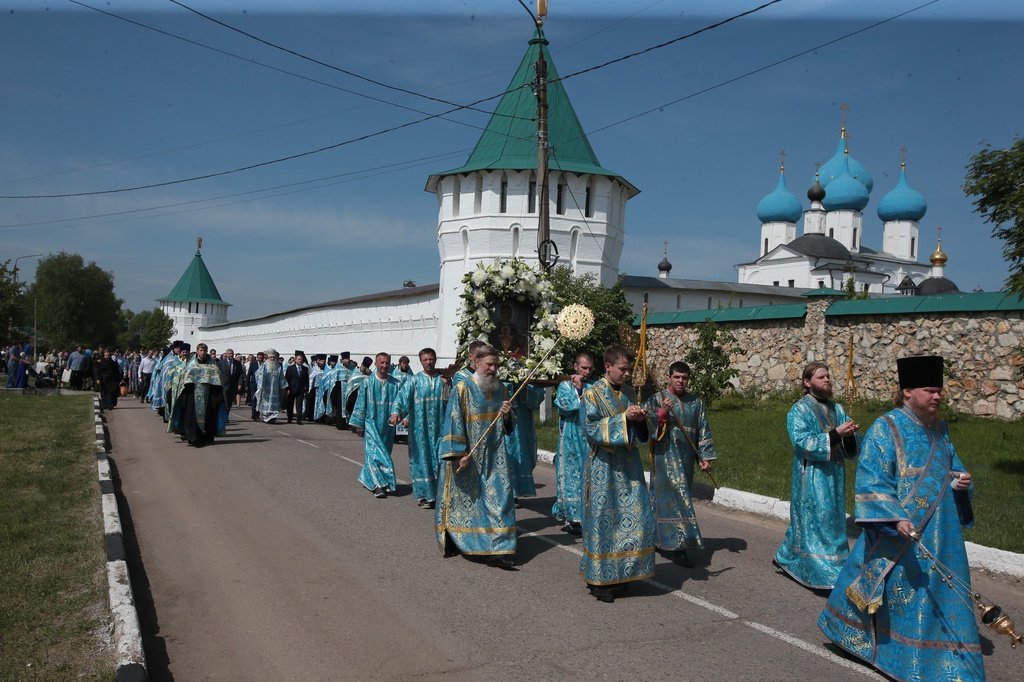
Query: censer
(991, 616)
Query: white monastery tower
(488, 206)
(194, 301)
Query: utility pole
(547, 252)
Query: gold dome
(938, 257)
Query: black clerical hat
(187, 347)
(332, 358)
(367, 361)
(346, 355)
(920, 371)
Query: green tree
(995, 178)
(76, 302)
(607, 303)
(11, 303)
(158, 329)
(710, 367)
(130, 326)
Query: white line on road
(715, 608)
(306, 442)
(283, 433)
(722, 611)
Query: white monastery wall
(396, 325)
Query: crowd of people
(472, 451)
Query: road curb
(130, 657)
(979, 556)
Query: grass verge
(54, 616)
(756, 456)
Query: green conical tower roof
(195, 285)
(510, 140)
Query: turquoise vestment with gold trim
(618, 522)
(474, 506)
(816, 546)
(887, 607)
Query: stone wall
(980, 349)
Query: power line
(360, 138)
(325, 64)
(762, 68)
(266, 66)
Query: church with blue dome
(831, 250)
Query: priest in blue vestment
(350, 389)
(475, 512)
(420, 404)
(269, 385)
(156, 383)
(572, 446)
(824, 438)
(682, 439)
(522, 442)
(618, 522)
(912, 494)
(323, 404)
(371, 419)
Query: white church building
(831, 249)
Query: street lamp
(10, 320)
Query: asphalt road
(262, 558)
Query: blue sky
(92, 103)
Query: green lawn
(756, 456)
(53, 604)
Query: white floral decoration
(511, 280)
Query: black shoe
(680, 559)
(298, 423)
(503, 562)
(602, 594)
(450, 548)
(289, 421)
(573, 529)
(380, 493)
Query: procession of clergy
(472, 451)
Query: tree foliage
(158, 329)
(710, 367)
(607, 303)
(76, 302)
(995, 178)
(11, 313)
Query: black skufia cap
(920, 371)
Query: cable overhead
(271, 67)
(327, 65)
(480, 101)
(704, 29)
(752, 72)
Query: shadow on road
(158, 663)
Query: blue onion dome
(903, 202)
(780, 206)
(831, 169)
(845, 192)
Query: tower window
(832, 233)
(503, 200)
(765, 247)
(913, 246)
(775, 283)
(478, 194)
(865, 287)
(531, 199)
(855, 237)
(588, 206)
(792, 283)
(456, 195)
(821, 284)
(709, 301)
(560, 199)
(679, 301)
